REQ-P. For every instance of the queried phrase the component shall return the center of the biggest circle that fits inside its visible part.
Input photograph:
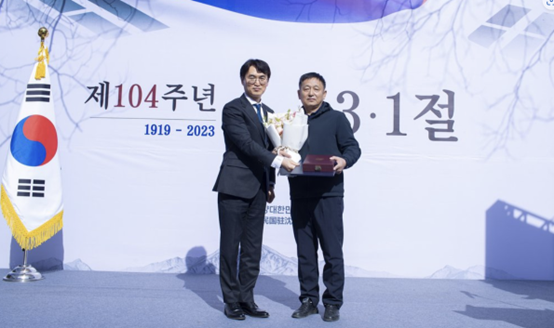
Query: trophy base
(23, 273)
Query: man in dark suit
(244, 185)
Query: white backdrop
(416, 205)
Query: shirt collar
(252, 102)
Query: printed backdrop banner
(31, 195)
(450, 100)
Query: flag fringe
(28, 240)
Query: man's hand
(270, 194)
(281, 152)
(340, 164)
(288, 164)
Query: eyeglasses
(252, 79)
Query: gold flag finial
(43, 33)
(42, 54)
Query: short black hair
(312, 75)
(260, 65)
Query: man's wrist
(277, 161)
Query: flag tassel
(42, 56)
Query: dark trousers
(313, 220)
(241, 222)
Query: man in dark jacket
(244, 185)
(317, 201)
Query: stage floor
(122, 299)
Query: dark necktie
(259, 110)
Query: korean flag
(31, 195)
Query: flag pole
(25, 272)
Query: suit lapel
(266, 110)
(253, 116)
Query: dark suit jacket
(247, 158)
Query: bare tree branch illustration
(392, 37)
(71, 55)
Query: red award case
(318, 164)
(312, 165)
